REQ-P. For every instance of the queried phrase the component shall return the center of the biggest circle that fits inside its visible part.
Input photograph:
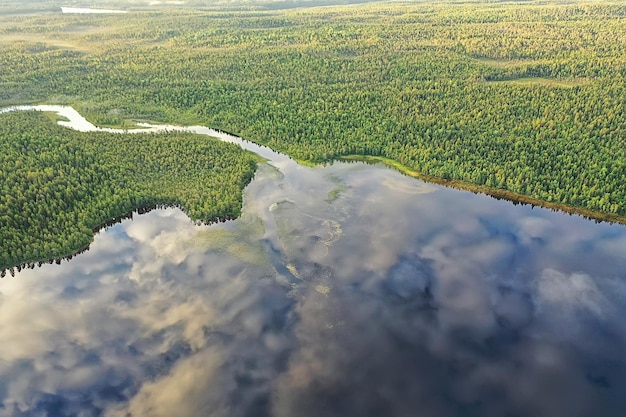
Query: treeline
(57, 185)
(529, 98)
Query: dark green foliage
(57, 185)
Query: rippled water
(343, 290)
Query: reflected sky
(344, 290)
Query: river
(86, 10)
(342, 290)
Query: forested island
(524, 98)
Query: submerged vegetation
(63, 184)
(529, 99)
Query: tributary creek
(342, 290)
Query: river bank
(515, 198)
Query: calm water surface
(344, 290)
(86, 10)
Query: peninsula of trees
(58, 185)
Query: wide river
(343, 290)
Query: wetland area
(343, 290)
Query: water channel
(342, 290)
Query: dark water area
(344, 290)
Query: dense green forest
(525, 97)
(58, 185)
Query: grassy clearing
(547, 82)
(48, 42)
(507, 63)
(54, 117)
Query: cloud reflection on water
(437, 303)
